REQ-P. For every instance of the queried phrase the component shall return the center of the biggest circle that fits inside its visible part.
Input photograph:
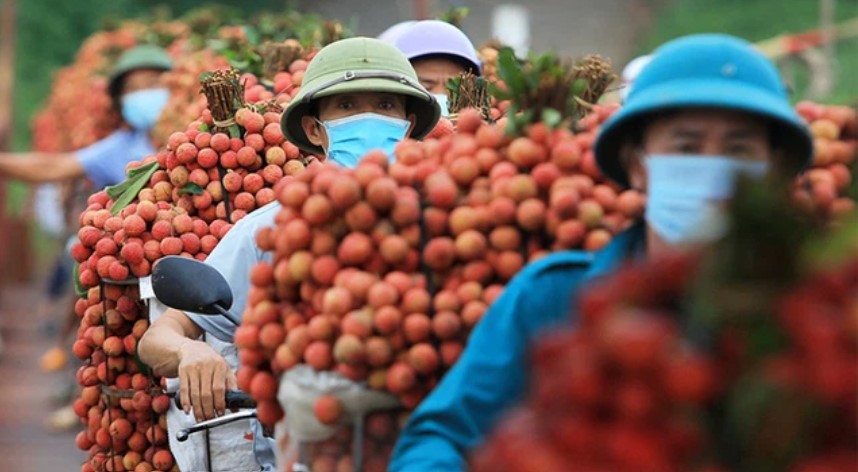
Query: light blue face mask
(685, 194)
(350, 138)
(444, 102)
(142, 108)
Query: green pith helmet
(139, 57)
(359, 65)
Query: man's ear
(413, 119)
(315, 132)
(631, 156)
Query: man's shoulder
(559, 262)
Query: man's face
(141, 79)
(350, 104)
(700, 132)
(434, 72)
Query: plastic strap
(225, 123)
(352, 75)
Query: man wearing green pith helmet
(358, 95)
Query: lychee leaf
(579, 87)
(551, 117)
(190, 188)
(499, 93)
(234, 131)
(510, 71)
(831, 249)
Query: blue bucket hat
(706, 71)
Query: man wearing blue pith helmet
(704, 110)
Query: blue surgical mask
(443, 100)
(685, 194)
(142, 108)
(350, 138)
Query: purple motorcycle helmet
(390, 34)
(429, 38)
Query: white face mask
(443, 100)
(141, 109)
(685, 194)
(350, 138)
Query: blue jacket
(492, 373)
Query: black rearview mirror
(190, 285)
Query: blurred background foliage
(759, 20)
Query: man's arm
(160, 346)
(41, 167)
(171, 348)
(491, 375)
(170, 345)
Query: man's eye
(386, 105)
(686, 148)
(345, 105)
(739, 150)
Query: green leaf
(453, 84)
(251, 34)
(204, 127)
(510, 71)
(217, 44)
(527, 117)
(241, 65)
(551, 117)
(766, 425)
(545, 62)
(833, 248)
(190, 188)
(205, 76)
(500, 93)
(79, 289)
(234, 131)
(579, 87)
(511, 127)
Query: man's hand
(204, 377)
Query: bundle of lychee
(269, 49)
(336, 454)
(741, 359)
(204, 182)
(79, 111)
(380, 272)
(68, 121)
(121, 406)
(824, 189)
(195, 188)
(276, 79)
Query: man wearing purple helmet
(438, 51)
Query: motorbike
(192, 286)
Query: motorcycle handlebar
(235, 400)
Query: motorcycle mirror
(189, 285)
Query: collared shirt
(233, 257)
(104, 162)
(492, 374)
